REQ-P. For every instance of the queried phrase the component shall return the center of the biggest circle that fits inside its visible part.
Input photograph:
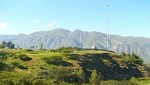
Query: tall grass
(45, 54)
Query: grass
(11, 50)
(44, 54)
(70, 62)
(144, 81)
(91, 52)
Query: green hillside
(70, 66)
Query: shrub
(3, 65)
(1, 46)
(24, 57)
(52, 50)
(134, 80)
(25, 81)
(28, 50)
(95, 78)
(41, 82)
(134, 59)
(19, 65)
(69, 49)
(53, 59)
(81, 75)
(73, 56)
(61, 73)
(22, 66)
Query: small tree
(81, 75)
(8, 45)
(12, 46)
(95, 78)
(4, 43)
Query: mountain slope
(60, 37)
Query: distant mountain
(60, 37)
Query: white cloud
(36, 21)
(52, 24)
(3, 26)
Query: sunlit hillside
(67, 66)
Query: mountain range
(62, 38)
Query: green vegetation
(95, 78)
(144, 81)
(71, 66)
(132, 59)
(7, 45)
(24, 57)
(81, 75)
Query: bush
(134, 80)
(24, 57)
(41, 82)
(95, 78)
(28, 50)
(19, 65)
(134, 59)
(81, 75)
(1, 46)
(3, 65)
(53, 60)
(61, 73)
(52, 50)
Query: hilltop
(41, 67)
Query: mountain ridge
(83, 39)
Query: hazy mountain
(60, 37)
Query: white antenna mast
(107, 25)
(80, 41)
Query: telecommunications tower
(107, 25)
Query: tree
(7, 45)
(95, 78)
(10, 45)
(4, 43)
(81, 75)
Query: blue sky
(127, 17)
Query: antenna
(107, 25)
(80, 41)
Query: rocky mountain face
(82, 39)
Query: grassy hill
(61, 67)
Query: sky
(126, 17)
